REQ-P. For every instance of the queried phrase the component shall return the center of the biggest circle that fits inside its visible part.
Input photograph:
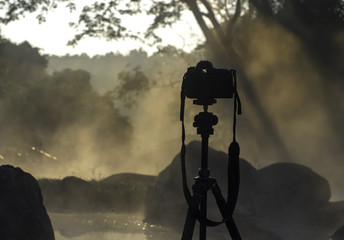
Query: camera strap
(233, 171)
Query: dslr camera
(206, 82)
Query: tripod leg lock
(199, 188)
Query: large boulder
(294, 187)
(294, 201)
(22, 214)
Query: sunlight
(52, 36)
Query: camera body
(206, 82)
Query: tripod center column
(204, 123)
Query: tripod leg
(190, 221)
(198, 203)
(221, 203)
(203, 226)
(189, 226)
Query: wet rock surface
(22, 213)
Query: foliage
(316, 23)
(55, 111)
(130, 86)
(309, 20)
(21, 63)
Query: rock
(123, 192)
(22, 213)
(291, 187)
(281, 201)
(127, 190)
(294, 200)
(77, 194)
(339, 234)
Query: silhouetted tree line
(36, 108)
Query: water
(113, 226)
(106, 226)
(104, 236)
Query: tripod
(197, 202)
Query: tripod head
(204, 122)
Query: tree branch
(213, 20)
(232, 21)
(210, 38)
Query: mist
(302, 101)
(143, 138)
(288, 83)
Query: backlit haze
(287, 82)
(51, 38)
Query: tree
(60, 114)
(216, 18)
(315, 23)
(21, 62)
(130, 86)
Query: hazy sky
(53, 35)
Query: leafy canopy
(55, 111)
(307, 19)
